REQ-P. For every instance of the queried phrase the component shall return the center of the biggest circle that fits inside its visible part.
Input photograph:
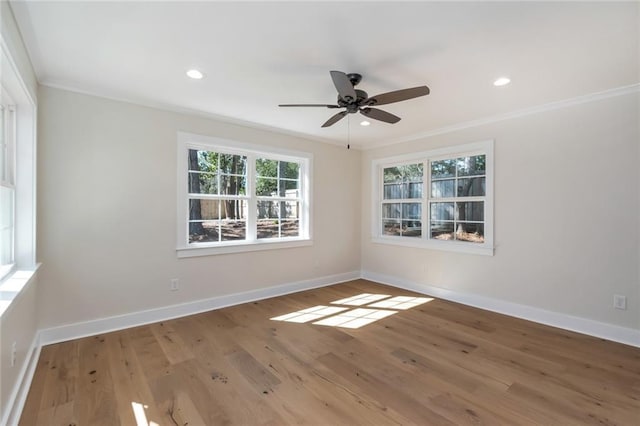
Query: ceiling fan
(355, 100)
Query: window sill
(13, 286)
(195, 250)
(452, 246)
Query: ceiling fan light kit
(355, 100)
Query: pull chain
(348, 131)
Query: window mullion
(426, 197)
(252, 204)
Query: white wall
(566, 214)
(19, 322)
(107, 212)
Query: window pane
(203, 183)
(411, 172)
(290, 209)
(278, 210)
(289, 170)
(412, 190)
(471, 187)
(233, 164)
(391, 211)
(392, 191)
(471, 232)
(6, 207)
(266, 168)
(203, 232)
(442, 230)
(471, 166)
(268, 209)
(406, 173)
(392, 175)
(391, 227)
(3, 148)
(205, 161)
(233, 209)
(411, 228)
(443, 169)
(204, 209)
(290, 228)
(442, 211)
(412, 211)
(289, 188)
(6, 246)
(470, 211)
(268, 228)
(234, 226)
(442, 188)
(233, 185)
(266, 187)
(6, 225)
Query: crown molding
(566, 103)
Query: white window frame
(23, 168)
(426, 157)
(7, 178)
(188, 141)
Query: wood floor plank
(435, 363)
(94, 384)
(227, 384)
(378, 389)
(133, 395)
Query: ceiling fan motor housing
(353, 105)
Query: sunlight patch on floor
(401, 302)
(309, 314)
(361, 299)
(355, 318)
(140, 415)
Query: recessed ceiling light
(364, 123)
(502, 81)
(195, 74)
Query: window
(18, 110)
(441, 199)
(7, 182)
(236, 197)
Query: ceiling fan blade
(378, 114)
(343, 85)
(309, 105)
(333, 120)
(397, 96)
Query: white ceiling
(257, 55)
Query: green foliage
(268, 172)
(227, 169)
(230, 171)
(465, 166)
(406, 173)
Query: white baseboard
(628, 336)
(134, 319)
(18, 396)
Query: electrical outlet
(14, 350)
(619, 301)
(175, 284)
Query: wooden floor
(437, 363)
